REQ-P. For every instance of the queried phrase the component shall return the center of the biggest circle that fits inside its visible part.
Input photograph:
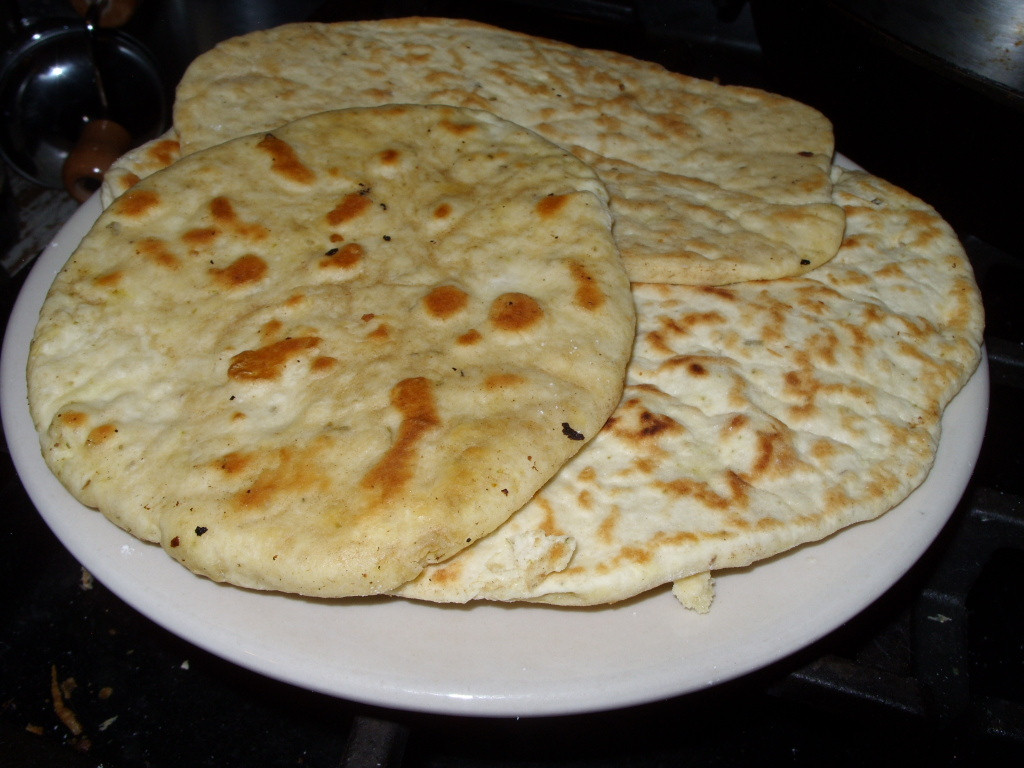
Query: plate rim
(580, 693)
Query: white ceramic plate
(491, 659)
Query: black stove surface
(933, 671)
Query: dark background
(889, 686)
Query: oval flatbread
(318, 358)
(756, 417)
(709, 183)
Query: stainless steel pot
(80, 92)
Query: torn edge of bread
(695, 592)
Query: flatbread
(316, 359)
(756, 417)
(710, 183)
(138, 163)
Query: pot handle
(101, 143)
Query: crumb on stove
(64, 713)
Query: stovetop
(933, 671)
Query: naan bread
(710, 184)
(138, 163)
(756, 417)
(317, 359)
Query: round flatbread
(756, 417)
(317, 359)
(709, 184)
(138, 163)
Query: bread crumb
(695, 592)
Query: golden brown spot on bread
(100, 434)
(73, 418)
(445, 301)
(472, 336)
(336, 238)
(234, 463)
(695, 365)
(703, 492)
(775, 455)
(129, 180)
(390, 156)
(657, 341)
(351, 205)
(823, 449)
(323, 363)
(271, 328)
(457, 128)
(252, 231)
(222, 210)
(643, 554)
(164, 152)
(548, 524)
(893, 269)
(447, 575)
(645, 465)
(803, 387)
(246, 269)
(284, 161)
(156, 250)
(824, 347)
(136, 202)
(502, 380)
(652, 424)
(719, 291)
(268, 361)
(380, 333)
(550, 205)
(635, 423)
(836, 498)
(414, 400)
(588, 293)
(588, 474)
(110, 279)
(345, 257)
(515, 312)
(606, 530)
(200, 236)
(685, 324)
(739, 421)
(637, 555)
(442, 211)
(286, 471)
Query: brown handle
(115, 13)
(101, 143)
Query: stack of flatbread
(430, 308)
